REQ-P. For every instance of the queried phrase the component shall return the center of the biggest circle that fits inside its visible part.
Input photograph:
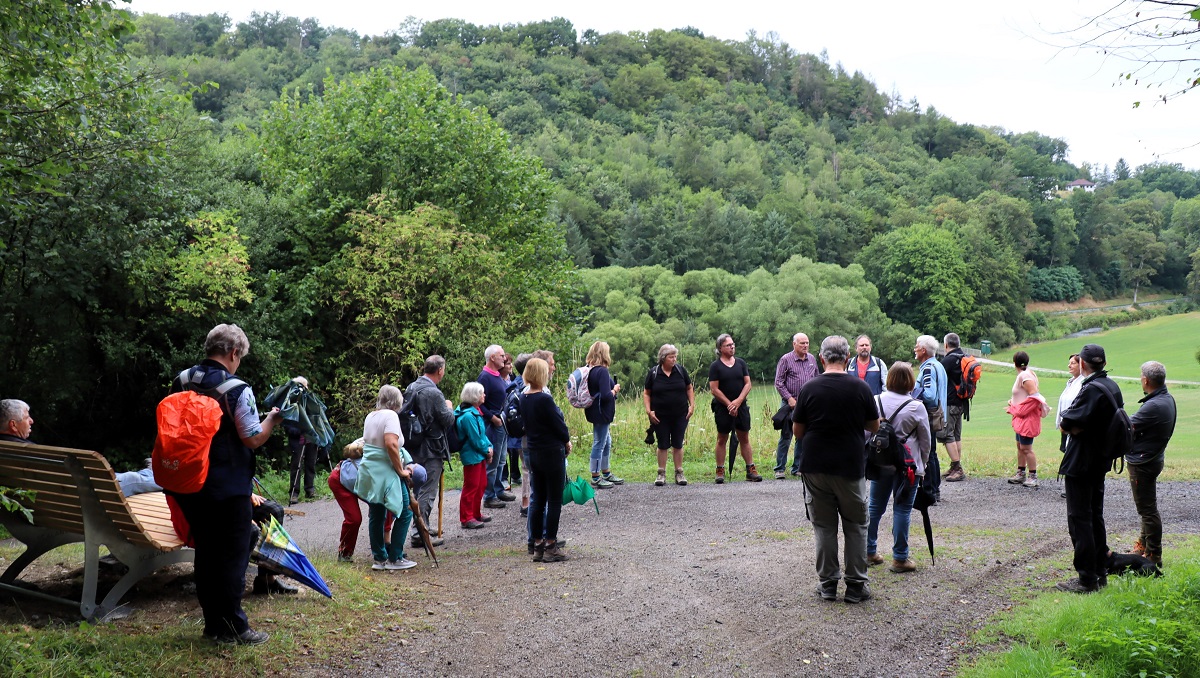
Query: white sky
(980, 63)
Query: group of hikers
(838, 409)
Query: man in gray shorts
(951, 433)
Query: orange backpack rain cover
(187, 422)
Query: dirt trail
(719, 580)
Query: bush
(1060, 283)
(1002, 335)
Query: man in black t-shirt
(729, 382)
(831, 414)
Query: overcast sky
(982, 63)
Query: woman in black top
(548, 441)
(601, 414)
(670, 401)
(729, 383)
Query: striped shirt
(792, 373)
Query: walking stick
(441, 495)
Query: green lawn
(1173, 338)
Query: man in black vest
(1084, 466)
(220, 514)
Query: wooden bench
(79, 500)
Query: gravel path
(719, 580)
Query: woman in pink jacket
(1027, 408)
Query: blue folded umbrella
(280, 552)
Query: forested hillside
(357, 202)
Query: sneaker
(524, 511)
(956, 474)
(1075, 586)
(494, 503)
(720, 479)
(1017, 478)
(902, 566)
(857, 593)
(679, 479)
(506, 496)
(780, 475)
(1030, 481)
(613, 479)
(379, 565)
(402, 564)
(516, 481)
(874, 559)
(247, 637)
(600, 483)
(662, 478)
(827, 591)
(752, 474)
(554, 554)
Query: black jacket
(952, 361)
(430, 405)
(1153, 425)
(1091, 412)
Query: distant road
(1118, 307)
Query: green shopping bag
(580, 491)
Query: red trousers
(351, 513)
(469, 502)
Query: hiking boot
(539, 552)
(1075, 586)
(1138, 548)
(310, 493)
(856, 593)
(247, 637)
(752, 474)
(720, 477)
(662, 477)
(294, 498)
(1017, 478)
(827, 591)
(780, 475)
(472, 525)
(515, 481)
(266, 585)
(613, 479)
(1155, 558)
(494, 503)
(679, 479)
(482, 519)
(1030, 481)
(506, 496)
(956, 474)
(874, 559)
(524, 511)
(600, 483)
(902, 566)
(554, 554)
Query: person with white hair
(495, 388)
(381, 481)
(1153, 425)
(795, 369)
(15, 423)
(931, 389)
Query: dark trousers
(514, 464)
(545, 504)
(304, 457)
(427, 493)
(221, 530)
(933, 474)
(1085, 520)
(1143, 480)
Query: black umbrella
(922, 502)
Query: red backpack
(972, 371)
(187, 422)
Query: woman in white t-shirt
(381, 480)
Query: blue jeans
(891, 486)
(601, 447)
(785, 441)
(376, 517)
(497, 436)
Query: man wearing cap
(1084, 466)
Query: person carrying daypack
(220, 512)
(909, 423)
(427, 410)
(962, 372)
(600, 413)
(578, 393)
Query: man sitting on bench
(15, 422)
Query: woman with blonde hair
(548, 441)
(601, 414)
(381, 480)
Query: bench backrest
(63, 478)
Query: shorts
(1024, 440)
(952, 431)
(669, 432)
(726, 423)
